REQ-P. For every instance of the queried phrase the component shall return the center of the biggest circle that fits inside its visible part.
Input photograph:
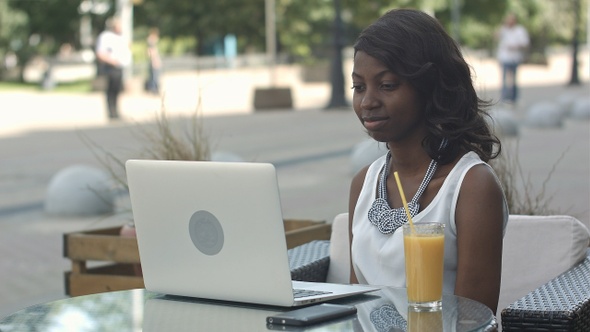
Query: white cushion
(538, 249)
(339, 270)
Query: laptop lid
(211, 230)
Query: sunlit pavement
(40, 134)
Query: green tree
(13, 27)
(207, 21)
(49, 24)
(56, 21)
(303, 27)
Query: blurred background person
(113, 54)
(513, 41)
(154, 62)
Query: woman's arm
(355, 190)
(479, 220)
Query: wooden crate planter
(118, 253)
(299, 232)
(117, 258)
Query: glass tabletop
(139, 310)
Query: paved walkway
(311, 147)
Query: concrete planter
(273, 98)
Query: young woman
(413, 90)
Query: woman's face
(388, 106)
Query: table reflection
(390, 312)
(113, 311)
(138, 310)
(168, 313)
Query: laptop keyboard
(299, 293)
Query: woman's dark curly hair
(414, 46)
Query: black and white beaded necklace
(381, 214)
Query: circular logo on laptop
(206, 232)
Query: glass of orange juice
(424, 245)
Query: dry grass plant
(183, 140)
(521, 195)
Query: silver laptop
(215, 230)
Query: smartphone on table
(311, 315)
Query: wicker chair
(310, 261)
(562, 304)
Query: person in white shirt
(412, 90)
(154, 63)
(113, 54)
(513, 40)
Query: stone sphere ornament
(80, 190)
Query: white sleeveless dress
(378, 259)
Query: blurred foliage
(13, 32)
(304, 27)
(206, 21)
(47, 25)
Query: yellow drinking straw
(401, 193)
